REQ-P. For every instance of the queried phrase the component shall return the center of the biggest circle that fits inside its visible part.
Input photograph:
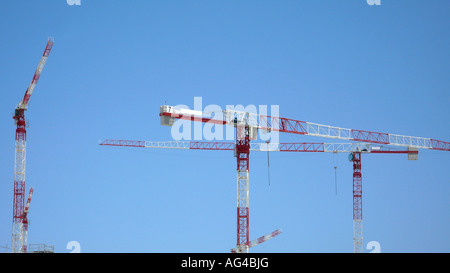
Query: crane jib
(23, 104)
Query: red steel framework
(285, 125)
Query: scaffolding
(41, 248)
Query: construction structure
(41, 248)
(20, 212)
(247, 126)
(303, 147)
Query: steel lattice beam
(272, 123)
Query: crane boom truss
(37, 74)
(270, 123)
(281, 147)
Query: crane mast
(292, 126)
(19, 187)
(243, 160)
(357, 203)
(18, 239)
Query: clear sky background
(338, 62)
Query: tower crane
(352, 148)
(272, 123)
(18, 234)
(247, 126)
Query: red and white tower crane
(252, 122)
(19, 235)
(247, 125)
(309, 147)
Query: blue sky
(344, 63)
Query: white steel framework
(243, 205)
(17, 243)
(272, 147)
